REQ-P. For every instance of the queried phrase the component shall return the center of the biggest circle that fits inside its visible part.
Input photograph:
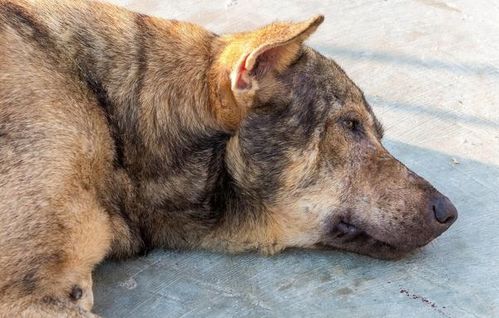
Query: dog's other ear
(245, 61)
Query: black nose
(445, 212)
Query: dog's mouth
(350, 237)
(349, 233)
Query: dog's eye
(351, 124)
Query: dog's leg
(44, 309)
(53, 229)
(54, 277)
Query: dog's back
(61, 151)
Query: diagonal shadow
(446, 115)
(470, 69)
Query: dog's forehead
(326, 78)
(321, 85)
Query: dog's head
(308, 145)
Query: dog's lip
(346, 232)
(345, 235)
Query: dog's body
(120, 133)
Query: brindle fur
(121, 132)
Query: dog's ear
(245, 61)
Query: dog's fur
(121, 132)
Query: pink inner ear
(258, 67)
(242, 76)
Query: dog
(121, 132)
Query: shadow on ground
(445, 279)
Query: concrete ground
(430, 68)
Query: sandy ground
(430, 68)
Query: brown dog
(120, 133)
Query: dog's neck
(168, 141)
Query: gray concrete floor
(430, 68)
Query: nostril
(441, 217)
(444, 211)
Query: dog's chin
(349, 237)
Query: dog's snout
(443, 210)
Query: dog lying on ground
(121, 132)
